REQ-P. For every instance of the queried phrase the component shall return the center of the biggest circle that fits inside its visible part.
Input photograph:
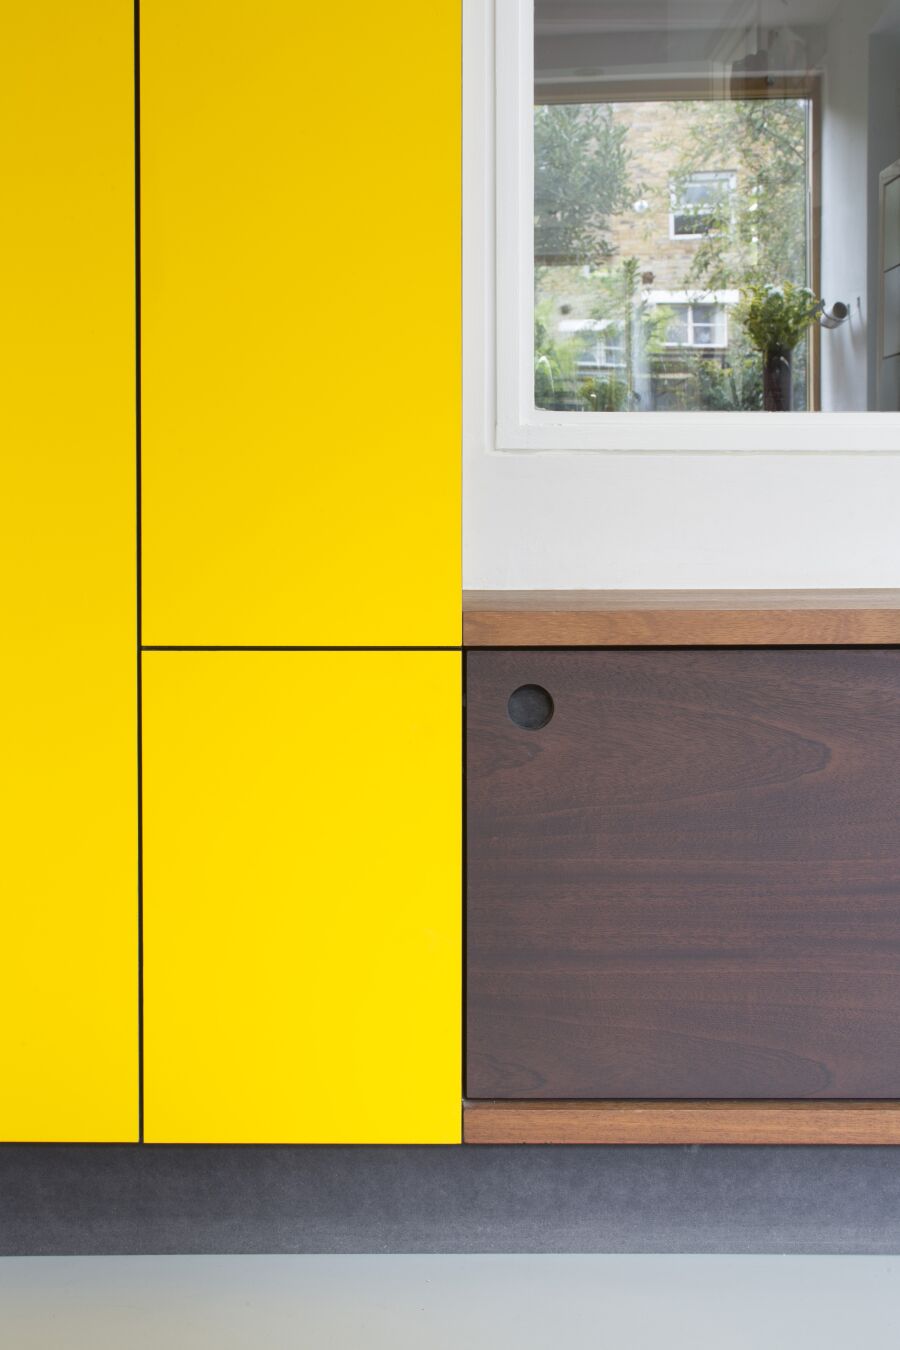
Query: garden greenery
(775, 318)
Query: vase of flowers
(778, 380)
(775, 319)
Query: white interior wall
(846, 203)
(615, 55)
(585, 521)
(884, 149)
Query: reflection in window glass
(685, 251)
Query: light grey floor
(450, 1302)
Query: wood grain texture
(680, 618)
(648, 1122)
(687, 885)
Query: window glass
(706, 204)
(677, 329)
(701, 203)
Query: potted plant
(775, 319)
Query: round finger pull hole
(530, 707)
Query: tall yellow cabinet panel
(68, 896)
(301, 322)
(300, 264)
(302, 960)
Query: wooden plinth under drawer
(634, 1122)
(685, 889)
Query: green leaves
(760, 233)
(580, 180)
(775, 318)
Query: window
(621, 208)
(663, 242)
(697, 325)
(701, 204)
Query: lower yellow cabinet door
(302, 897)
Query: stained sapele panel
(687, 884)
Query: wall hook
(838, 313)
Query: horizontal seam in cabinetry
(676, 647)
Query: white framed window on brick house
(701, 203)
(605, 116)
(696, 323)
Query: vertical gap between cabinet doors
(136, 22)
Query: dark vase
(778, 381)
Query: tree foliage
(758, 234)
(580, 180)
(752, 234)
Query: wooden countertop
(794, 618)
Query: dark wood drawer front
(687, 883)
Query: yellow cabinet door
(300, 192)
(68, 712)
(302, 897)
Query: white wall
(584, 520)
(884, 149)
(588, 520)
(846, 203)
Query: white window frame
(498, 289)
(718, 300)
(677, 208)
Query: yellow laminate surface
(301, 323)
(68, 897)
(302, 897)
